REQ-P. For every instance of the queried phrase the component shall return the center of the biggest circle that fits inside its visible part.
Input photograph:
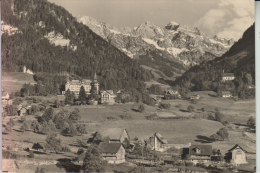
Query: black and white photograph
(128, 86)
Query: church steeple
(95, 84)
(95, 77)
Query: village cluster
(113, 148)
(114, 152)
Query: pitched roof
(236, 146)
(228, 75)
(111, 92)
(226, 92)
(86, 81)
(161, 138)
(112, 133)
(109, 147)
(4, 93)
(204, 149)
(75, 82)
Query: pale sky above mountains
(226, 18)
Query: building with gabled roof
(75, 85)
(112, 152)
(226, 94)
(237, 155)
(198, 153)
(171, 94)
(159, 142)
(228, 77)
(107, 96)
(115, 134)
(5, 95)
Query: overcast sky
(226, 18)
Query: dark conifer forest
(86, 53)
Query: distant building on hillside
(226, 94)
(171, 94)
(75, 85)
(228, 77)
(198, 153)
(114, 134)
(122, 96)
(6, 99)
(113, 153)
(237, 155)
(5, 95)
(22, 111)
(195, 97)
(26, 70)
(107, 96)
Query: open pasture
(13, 81)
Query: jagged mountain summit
(239, 60)
(178, 41)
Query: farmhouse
(228, 77)
(122, 96)
(107, 96)
(198, 153)
(26, 70)
(115, 134)
(75, 85)
(237, 155)
(22, 111)
(6, 99)
(5, 95)
(226, 94)
(171, 94)
(112, 152)
(159, 142)
(195, 97)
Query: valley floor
(179, 132)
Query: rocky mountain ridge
(179, 41)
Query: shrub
(111, 118)
(31, 154)
(40, 170)
(164, 106)
(11, 122)
(216, 137)
(141, 108)
(126, 117)
(81, 128)
(219, 117)
(152, 117)
(251, 121)
(190, 108)
(211, 117)
(80, 151)
(223, 133)
(65, 149)
(37, 146)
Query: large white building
(75, 85)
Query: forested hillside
(49, 40)
(240, 60)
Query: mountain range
(48, 40)
(240, 60)
(177, 41)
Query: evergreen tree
(53, 143)
(82, 95)
(93, 161)
(69, 97)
